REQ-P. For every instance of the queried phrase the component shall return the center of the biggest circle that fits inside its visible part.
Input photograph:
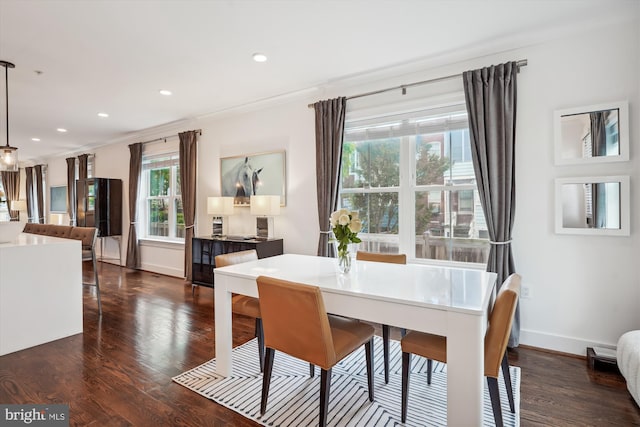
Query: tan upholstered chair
(88, 236)
(242, 304)
(295, 322)
(393, 259)
(495, 347)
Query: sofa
(628, 356)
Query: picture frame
(58, 199)
(253, 174)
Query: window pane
(159, 180)
(373, 163)
(379, 215)
(179, 218)
(178, 190)
(158, 217)
(431, 164)
(444, 231)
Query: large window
(411, 178)
(4, 209)
(161, 207)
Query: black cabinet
(100, 205)
(205, 249)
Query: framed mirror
(592, 134)
(593, 205)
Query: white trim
(165, 244)
(562, 343)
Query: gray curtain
(135, 167)
(83, 162)
(329, 133)
(188, 177)
(490, 95)
(39, 193)
(71, 189)
(598, 122)
(11, 184)
(28, 173)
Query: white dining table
(452, 302)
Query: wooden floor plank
(118, 372)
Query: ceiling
(75, 59)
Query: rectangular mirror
(592, 134)
(593, 205)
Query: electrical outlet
(525, 292)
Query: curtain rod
(164, 138)
(520, 63)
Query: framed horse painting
(252, 175)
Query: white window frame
(144, 198)
(407, 190)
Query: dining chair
(89, 236)
(393, 259)
(434, 347)
(295, 322)
(243, 304)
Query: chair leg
(403, 332)
(325, 385)
(260, 336)
(368, 349)
(507, 382)
(312, 370)
(385, 347)
(406, 367)
(429, 369)
(495, 400)
(266, 378)
(97, 283)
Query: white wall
(584, 290)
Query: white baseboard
(161, 269)
(564, 344)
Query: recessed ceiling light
(165, 92)
(63, 130)
(260, 57)
(35, 139)
(104, 115)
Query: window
(4, 209)
(410, 176)
(161, 207)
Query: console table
(205, 249)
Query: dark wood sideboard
(205, 249)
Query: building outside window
(410, 176)
(161, 207)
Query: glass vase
(344, 260)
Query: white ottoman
(628, 355)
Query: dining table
(449, 301)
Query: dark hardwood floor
(118, 372)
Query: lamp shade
(19, 205)
(222, 206)
(265, 205)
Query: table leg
(465, 369)
(223, 334)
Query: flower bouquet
(345, 225)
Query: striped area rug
(294, 395)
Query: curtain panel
(71, 189)
(11, 184)
(135, 166)
(188, 177)
(39, 193)
(28, 173)
(83, 166)
(490, 95)
(329, 127)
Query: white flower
(334, 218)
(344, 219)
(355, 225)
(355, 215)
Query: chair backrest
(295, 321)
(88, 235)
(500, 320)
(236, 258)
(379, 257)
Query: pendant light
(8, 154)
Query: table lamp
(219, 207)
(20, 206)
(265, 207)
